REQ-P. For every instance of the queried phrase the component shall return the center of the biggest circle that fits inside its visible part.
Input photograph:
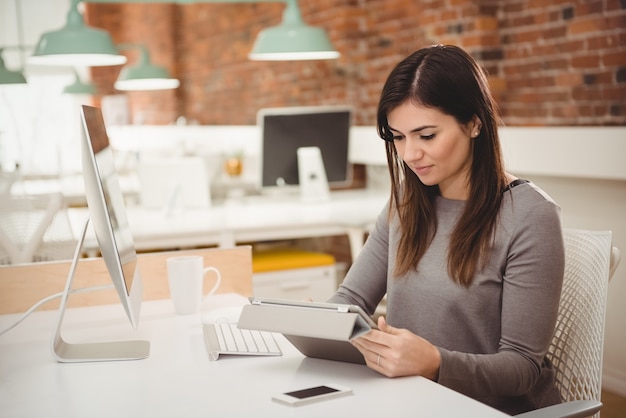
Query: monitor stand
(65, 352)
(312, 175)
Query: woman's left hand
(396, 352)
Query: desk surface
(179, 380)
(255, 218)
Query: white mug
(186, 279)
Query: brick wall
(557, 62)
(564, 63)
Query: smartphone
(312, 394)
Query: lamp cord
(48, 299)
(20, 31)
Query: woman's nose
(413, 150)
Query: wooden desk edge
(21, 286)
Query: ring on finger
(378, 360)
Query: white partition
(564, 151)
(585, 152)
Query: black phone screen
(310, 392)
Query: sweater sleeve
(531, 288)
(366, 281)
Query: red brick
(486, 23)
(569, 79)
(586, 61)
(614, 58)
(587, 25)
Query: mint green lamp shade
(145, 76)
(78, 87)
(289, 43)
(292, 40)
(76, 45)
(10, 77)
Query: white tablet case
(317, 330)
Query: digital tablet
(339, 307)
(316, 329)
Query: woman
(470, 257)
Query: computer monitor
(284, 130)
(107, 214)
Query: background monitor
(107, 215)
(284, 130)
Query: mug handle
(217, 282)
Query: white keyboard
(226, 338)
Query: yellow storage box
(290, 273)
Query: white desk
(178, 380)
(255, 218)
(71, 186)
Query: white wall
(37, 121)
(35, 17)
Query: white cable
(48, 299)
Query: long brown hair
(447, 78)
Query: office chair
(34, 228)
(577, 344)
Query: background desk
(178, 380)
(256, 218)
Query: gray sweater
(493, 336)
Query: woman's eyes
(424, 137)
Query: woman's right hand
(396, 352)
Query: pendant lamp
(7, 76)
(144, 75)
(76, 45)
(79, 87)
(292, 40)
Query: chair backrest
(34, 228)
(576, 348)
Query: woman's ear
(475, 126)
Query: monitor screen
(107, 212)
(284, 130)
